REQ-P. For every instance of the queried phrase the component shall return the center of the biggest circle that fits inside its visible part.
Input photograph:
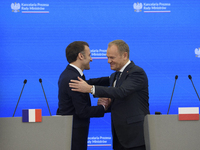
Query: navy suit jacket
(79, 105)
(76, 103)
(129, 104)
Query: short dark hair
(73, 49)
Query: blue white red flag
(32, 115)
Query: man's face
(87, 58)
(115, 59)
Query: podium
(54, 132)
(166, 132)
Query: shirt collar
(78, 69)
(121, 70)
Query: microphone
(176, 77)
(40, 80)
(25, 81)
(190, 77)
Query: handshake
(106, 102)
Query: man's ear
(125, 54)
(80, 56)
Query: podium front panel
(166, 132)
(54, 132)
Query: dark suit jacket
(76, 103)
(129, 104)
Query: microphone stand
(19, 97)
(40, 80)
(176, 77)
(190, 77)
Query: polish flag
(32, 115)
(188, 113)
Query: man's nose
(109, 61)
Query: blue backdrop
(162, 36)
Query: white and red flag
(188, 113)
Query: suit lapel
(112, 79)
(125, 73)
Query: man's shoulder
(134, 68)
(132, 65)
(68, 74)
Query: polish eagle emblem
(137, 6)
(15, 7)
(197, 52)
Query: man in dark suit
(129, 93)
(76, 103)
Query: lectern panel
(166, 132)
(54, 132)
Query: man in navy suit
(76, 103)
(129, 93)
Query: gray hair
(121, 45)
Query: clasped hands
(105, 102)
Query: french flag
(32, 115)
(188, 113)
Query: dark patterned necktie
(117, 75)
